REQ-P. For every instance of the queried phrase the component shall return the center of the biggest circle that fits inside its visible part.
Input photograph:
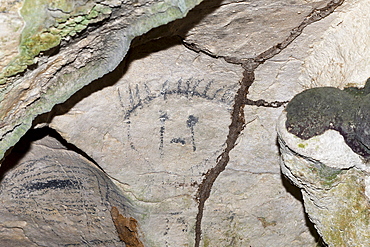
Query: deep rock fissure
(264, 103)
(238, 121)
(22, 147)
(237, 116)
(235, 128)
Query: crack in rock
(237, 116)
(236, 127)
(264, 103)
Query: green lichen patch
(302, 145)
(347, 223)
(47, 23)
(325, 175)
(316, 110)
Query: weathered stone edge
(61, 91)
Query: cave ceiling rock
(158, 152)
(53, 49)
(164, 129)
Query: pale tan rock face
(166, 128)
(186, 127)
(51, 49)
(245, 29)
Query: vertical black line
(163, 117)
(191, 122)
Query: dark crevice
(264, 103)
(194, 47)
(181, 27)
(53, 133)
(237, 117)
(24, 144)
(236, 127)
(110, 79)
(297, 194)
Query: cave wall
(185, 125)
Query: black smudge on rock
(347, 111)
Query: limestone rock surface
(185, 126)
(331, 171)
(246, 29)
(53, 49)
(56, 197)
(168, 118)
(334, 183)
(162, 129)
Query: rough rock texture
(185, 126)
(165, 128)
(56, 197)
(245, 29)
(203, 178)
(323, 135)
(62, 47)
(334, 183)
(316, 110)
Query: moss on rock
(47, 23)
(316, 110)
